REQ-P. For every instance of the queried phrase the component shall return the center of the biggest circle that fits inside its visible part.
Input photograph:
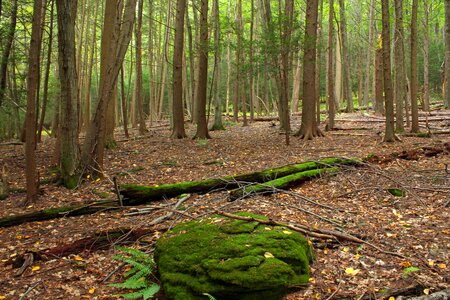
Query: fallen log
(139, 194)
(134, 195)
(279, 183)
(58, 212)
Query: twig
(337, 289)
(116, 187)
(172, 211)
(29, 290)
(110, 274)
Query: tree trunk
(345, 58)
(318, 60)
(32, 91)
(124, 103)
(369, 53)
(379, 101)
(389, 135)
(139, 83)
(414, 80)
(218, 124)
(309, 128)
(178, 131)
(113, 56)
(202, 126)
(7, 50)
(330, 81)
(426, 47)
(447, 54)
(239, 90)
(47, 75)
(399, 63)
(67, 10)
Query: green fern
(137, 278)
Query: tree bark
(94, 147)
(426, 48)
(218, 123)
(178, 131)
(379, 101)
(346, 61)
(389, 135)
(330, 81)
(67, 10)
(447, 54)
(399, 63)
(7, 50)
(414, 80)
(369, 53)
(139, 83)
(32, 91)
(202, 126)
(309, 128)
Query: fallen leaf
(426, 291)
(268, 255)
(351, 271)
(442, 266)
(431, 263)
(391, 298)
(287, 232)
(91, 290)
(391, 234)
(405, 264)
(346, 249)
(78, 258)
(35, 268)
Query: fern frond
(150, 291)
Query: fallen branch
(139, 194)
(279, 183)
(314, 232)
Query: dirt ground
(414, 227)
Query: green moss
(71, 182)
(397, 192)
(231, 259)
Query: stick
(116, 187)
(30, 289)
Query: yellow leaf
(391, 298)
(287, 232)
(78, 258)
(325, 251)
(351, 271)
(346, 249)
(267, 228)
(91, 290)
(268, 255)
(442, 266)
(405, 264)
(391, 234)
(431, 263)
(19, 237)
(357, 256)
(35, 268)
(2, 297)
(426, 291)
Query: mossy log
(134, 195)
(140, 194)
(280, 183)
(58, 212)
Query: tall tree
(202, 126)
(178, 131)
(447, 54)
(139, 83)
(32, 91)
(330, 69)
(7, 50)
(309, 128)
(345, 57)
(426, 48)
(414, 105)
(369, 53)
(67, 12)
(112, 55)
(218, 123)
(389, 135)
(399, 63)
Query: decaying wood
(140, 194)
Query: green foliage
(409, 270)
(202, 142)
(142, 265)
(209, 296)
(397, 192)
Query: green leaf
(210, 297)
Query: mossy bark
(139, 194)
(280, 183)
(58, 212)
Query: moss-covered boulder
(231, 259)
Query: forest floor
(415, 226)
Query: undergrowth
(137, 278)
